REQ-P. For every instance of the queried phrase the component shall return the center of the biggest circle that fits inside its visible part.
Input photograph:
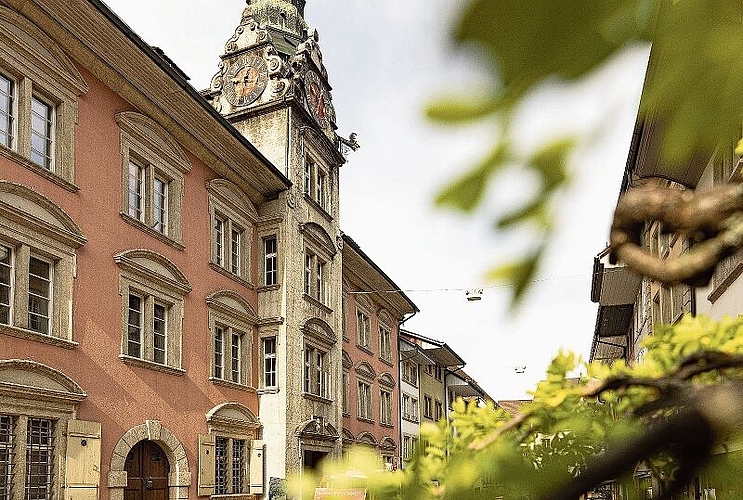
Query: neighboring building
(133, 219)
(374, 308)
(460, 385)
(412, 359)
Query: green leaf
(466, 193)
(517, 274)
(537, 211)
(551, 163)
(460, 109)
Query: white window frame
(316, 184)
(233, 322)
(363, 329)
(163, 161)
(270, 260)
(155, 280)
(270, 363)
(40, 70)
(315, 277)
(9, 115)
(315, 371)
(44, 159)
(385, 406)
(385, 343)
(364, 399)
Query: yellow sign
(340, 494)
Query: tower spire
(286, 16)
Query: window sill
(147, 229)
(38, 169)
(364, 419)
(269, 390)
(320, 209)
(233, 496)
(386, 361)
(151, 365)
(411, 419)
(365, 349)
(23, 333)
(346, 338)
(232, 385)
(385, 424)
(268, 288)
(313, 300)
(346, 414)
(221, 270)
(315, 397)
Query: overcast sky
(386, 59)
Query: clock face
(246, 80)
(318, 98)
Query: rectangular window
(218, 351)
(346, 392)
(220, 466)
(235, 357)
(308, 176)
(320, 193)
(364, 400)
(320, 281)
(159, 338)
(136, 191)
(414, 409)
(439, 410)
(269, 362)
(235, 250)
(405, 406)
(385, 407)
(39, 459)
(39, 295)
(427, 407)
(160, 206)
(270, 260)
(308, 273)
(238, 455)
(363, 327)
(134, 324)
(6, 456)
(7, 103)
(219, 241)
(42, 126)
(385, 344)
(315, 372)
(6, 285)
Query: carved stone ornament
(291, 199)
(339, 242)
(246, 80)
(247, 34)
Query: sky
(386, 59)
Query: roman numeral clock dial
(246, 80)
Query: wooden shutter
(257, 453)
(206, 465)
(82, 460)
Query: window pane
(219, 241)
(270, 261)
(6, 456)
(159, 329)
(160, 210)
(6, 111)
(136, 191)
(238, 454)
(41, 133)
(269, 362)
(218, 351)
(5, 285)
(235, 357)
(220, 466)
(308, 273)
(235, 252)
(39, 459)
(134, 325)
(39, 295)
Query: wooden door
(147, 471)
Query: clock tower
(273, 86)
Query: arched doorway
(147, 470)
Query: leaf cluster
(483, 452)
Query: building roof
(436, 349)
(512, 406)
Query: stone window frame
(346, 384)
(230, 310)
(156, 279)
(387, 385)
(148, 144)
(39, 68)
(229, 204)
(385, 325)
(365, 375)
(269, 229)
(363, 311)
(29, 389)
(317, 184)
(321, 250)
(33, 225)
(231, 421)
(317, 335)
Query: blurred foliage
(692, 92)
(483, 452)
